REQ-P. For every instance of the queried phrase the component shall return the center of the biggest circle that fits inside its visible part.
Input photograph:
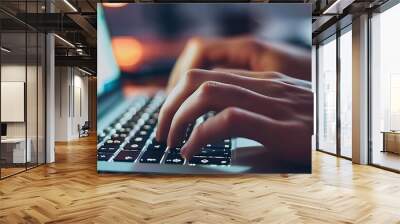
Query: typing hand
(274, 109)
(241, 53)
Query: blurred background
(146, 39)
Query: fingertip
(170, 142)
(185, 153)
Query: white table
(19, 154)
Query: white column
(50, 92)
(360, 90)
(50, 100)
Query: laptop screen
(108, 70)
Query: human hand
(241, 53)
(274, 110)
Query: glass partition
(15, 149)
(31, 97)
(346, 93)
(22, 90)
(327, 96)
(385, 89)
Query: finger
(225, 125)
(262, 129)
(208, 53)
(195, 77)
(252, 74)
(268, 75)
(215, 96)
(190, 57)
(168, 110)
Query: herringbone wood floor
(71, 191)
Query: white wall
(71, 93)
(61, 114)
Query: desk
(391, 141)
(17, 152)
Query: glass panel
(385, 84)
(32, 87)
(327, 97)
(23, 89)
(31, 97)
(13, 86)
(346, 94)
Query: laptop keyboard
(131, 139)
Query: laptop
(127, 123)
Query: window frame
(335, 36)
(378, 10)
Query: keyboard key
(138, 140)
(104, 156)
(123, 131)
(112, 143)
(147, 127)
(100, 137)
(173, 158)
(155, 115)
(219, 145)
(130, 123)
(157, 144)
(120, 137)
(107, 149)
(151, 121)
(143, 133)
(153, 154)
(134, 147)
(127, 156)
(214, 153)
(197, 160)
(176, 150)
(151, 157)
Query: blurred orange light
(127, 51)
(114, 5)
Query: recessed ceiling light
(337, 7)
(84, 71)
(70, 5)
(65, 41)
(5, 50)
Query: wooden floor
(5, 172)
(387, 159)
(71, 191)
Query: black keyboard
(130, 139)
